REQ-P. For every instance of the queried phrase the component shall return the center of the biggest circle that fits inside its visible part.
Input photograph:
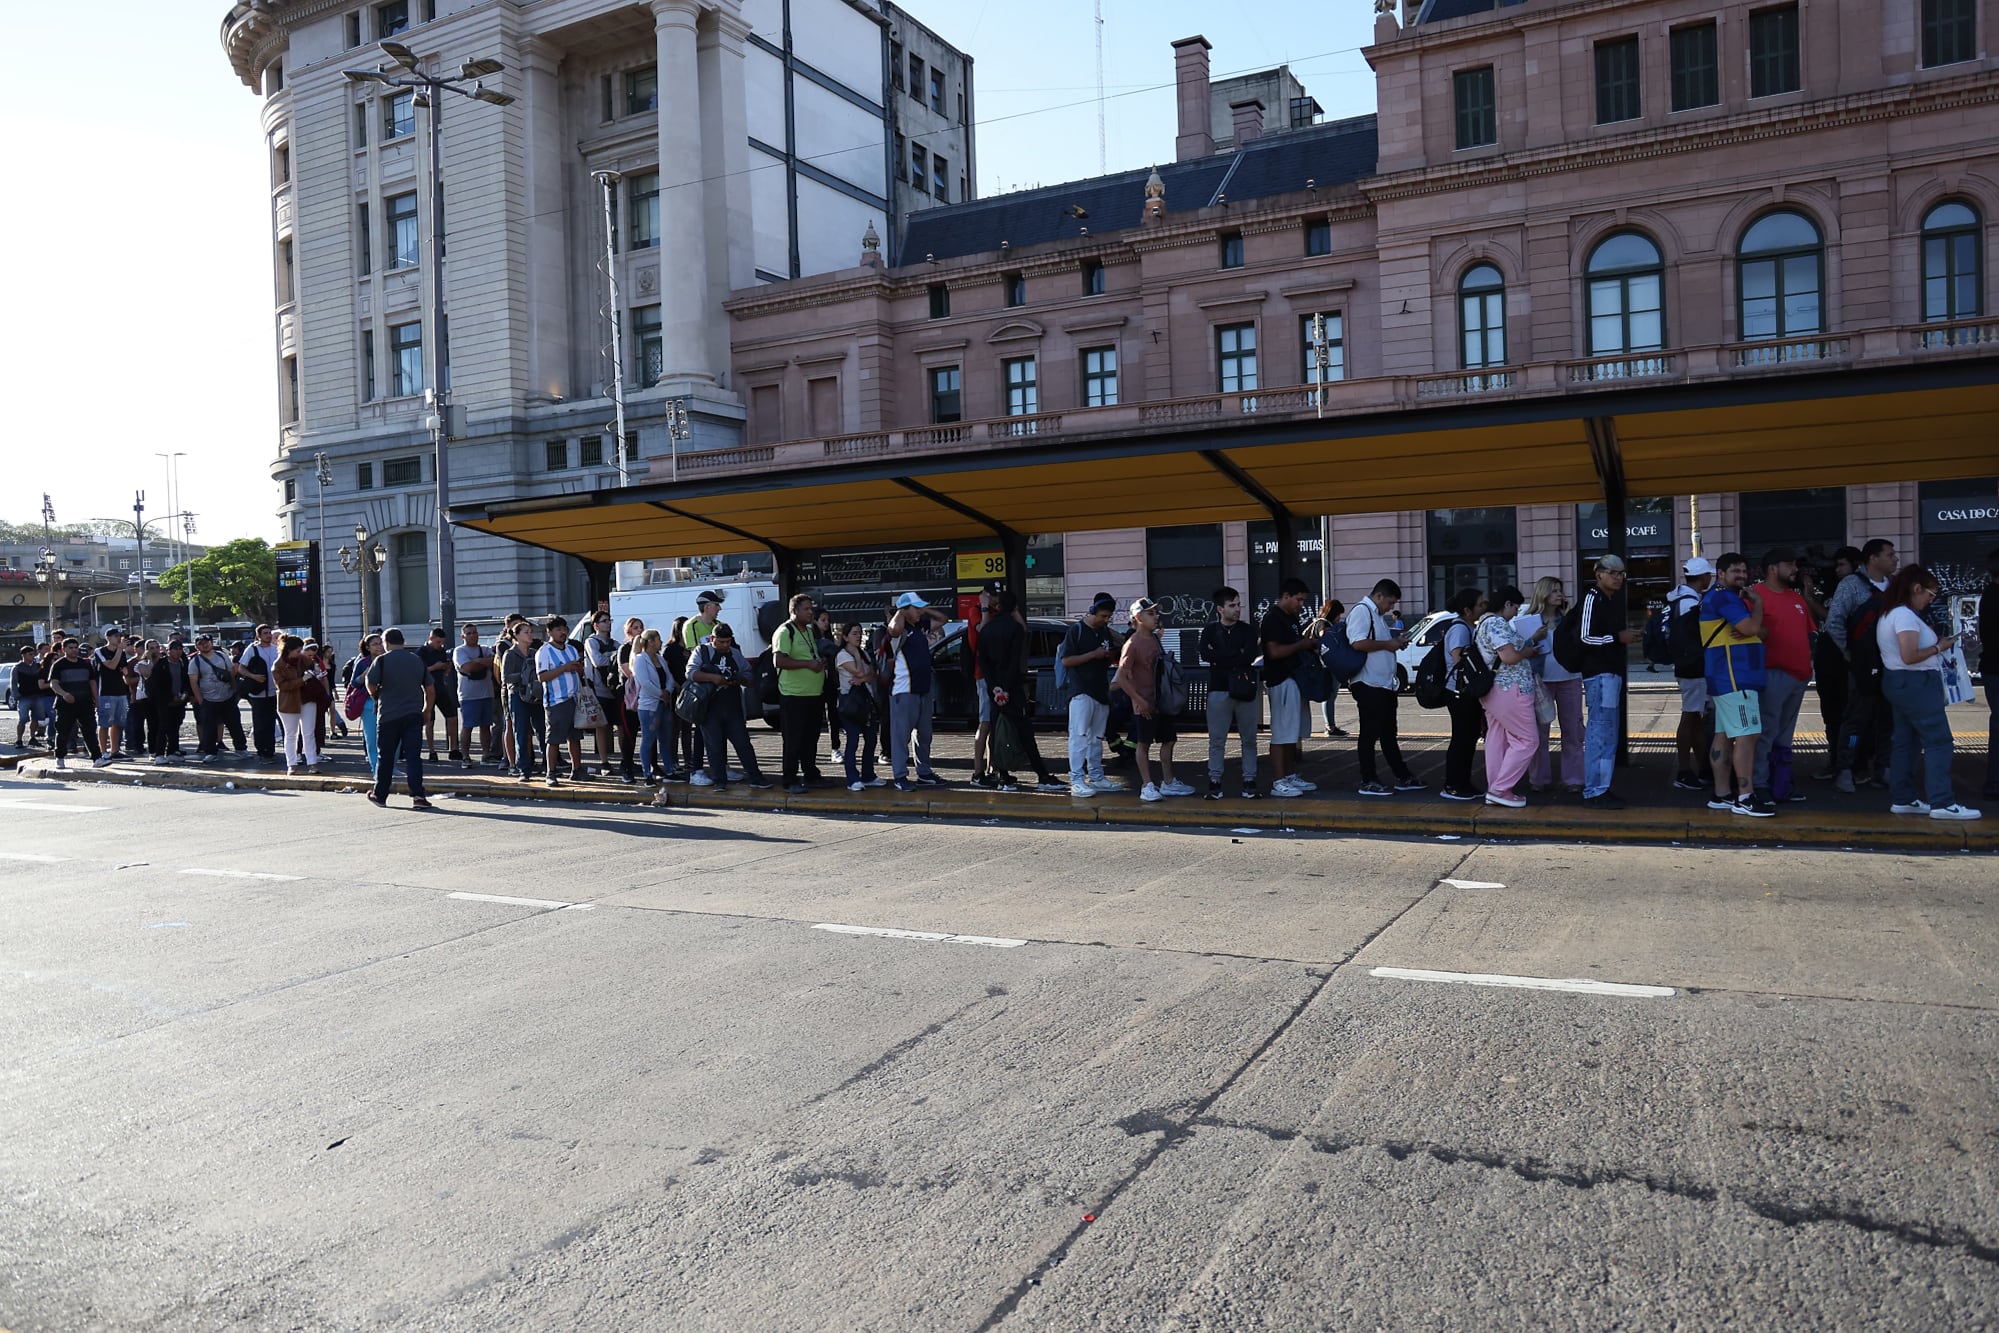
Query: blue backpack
(1345, 661)
(1315, 682)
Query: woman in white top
(1912, 683)
(856, 668)
(655, 686)
(1544, 611)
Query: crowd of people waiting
(1513, 672)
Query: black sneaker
(1251, 794)
(1610, 800)
(794, 789)
(1374, 789)
(1757, 805)
(1213, 793)
(1720, 802)
(985, 781)
(1688, 782)
(1410, 784)
(1453, 794)
(763, 784)
(929, 780)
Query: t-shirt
(1279, 627)
(1457, 640)
(1734, 660)
(1787, 633)
(1092, 680)
(269, 655)
(601, 665)
(1002, 656)
(472, 688)
(211, 676)
(696, 630)
(840, 664)
(1364, 622)
(398, 678)
(74, 677)
(28, 681)
(111, 668)
(1227, 649)
(1887, 634)
(444, 682)
(1494, 632)
(562, 688)
(801, 643)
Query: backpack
(1340, 656)
(1475, 672)
(1683, 636)
(1172, 691)
(1431, 691)
(1657, 644)
(1569, 638)
(356, 702)
(1315, 683)
(1864, 668)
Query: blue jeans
(651, 728)
(368, 733)
(527, 724)
(400, 737)
(864, 771)
(1922, 735)
(1600, 694)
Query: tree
(12, 533)
(241, 575)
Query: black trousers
(1830, 669)
(72, 717)
(1376, 708)
(1865, 730)
(210, 720)
(724, 728)
(164, 725)
(798, 719)
(264, 725)
(1467, 729)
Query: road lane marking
(988, 941)
(236, 874)
(1577, 985)
(1471, 884)
(30, 856)
(52, 805)
(522, 902)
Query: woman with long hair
(356, 672)
(1509, 704)
(1912, 683)
(681, 738)
(655, 700)
(295, 715)
(1544, 611)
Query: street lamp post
(362, 561)
(174, 503)
(429, 93)
(609, 180)
(49, 576)
(139, 534)
(322, 472)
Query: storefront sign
(298, 587)
(1961, 515)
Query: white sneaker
(61, 762)
(103, 761)
(1149, 792)
(1954, 811)
(1910, 808)
(701, 778)
(1176, 788)
(1303, 785)
(1106, 784)
(857, 786)
(1286, 787)
(1082, 790)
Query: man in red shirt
(1787, 663)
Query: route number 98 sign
(981, 566)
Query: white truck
(659, 603)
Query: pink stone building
(1555, 199)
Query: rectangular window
(406, 359)
(1617, 80)
(1950, 32)
(1335, 359)
(291, 490)
(895, 65)
(919, 168)
(288, 274)
(1318, 238)
(1235, 355)
(916, 77)
(1100, 377)
(410, 553)
(1773, 52)
(823, 416)
(648, 345)
(392, 19)
(1477, 112)
(645, 210)
(901, 159)
(360, 124)
(402, 230)
(642, 91)
(940, 179)
(291, 388)
(398, 116)
(555, 456)
(353, 30)
(403, 471)
(937, 91)
(367, 366)
(281, 164)
(364, 239)
(1304, 111)
(1696, 67)
(944, 398)
(1023, 388)
(1232, 250)
(590, 450)
(274, 78)
(1016, 288)
(1093, 277)
(940, 300)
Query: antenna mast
(1103, 159)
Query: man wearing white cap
(908, 653)
(1683, 632)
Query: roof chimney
(1190, 78)
(1248, 121)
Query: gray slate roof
(1336, 153)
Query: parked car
(1421, 639)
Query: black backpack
(1569, 637)
(1863, 649)
(1683, 632)
(1431, 691)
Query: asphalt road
(343, 1097)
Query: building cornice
(1662, 141)
(253, 29)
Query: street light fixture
(49, 576)
(361, 561)
(429, 90)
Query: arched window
(1627, 303)
(1780, 271)
(1482, 317)
(1951, 286)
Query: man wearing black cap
(1787, 667)
(982, 739)
(707, 610)
(1086, 655)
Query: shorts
(1155, 730)
(561, 720)
(41, 708)
(1693, 695)
(1738, 714)
(1287, 713)
(476, 712)
(113, 710)
(985, 702)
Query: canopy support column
(1013, 543)
(1288, 563)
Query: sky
(140, 297)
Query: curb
(1547, 824)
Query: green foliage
(241, 575)
(32, 532)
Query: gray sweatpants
(1243, 716)
(1780, 700)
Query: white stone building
(755, 140)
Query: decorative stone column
(546, 240)
(683, 264)
(725, 130)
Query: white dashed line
(987, 941)
(1578, 986)
(1471, 884)
(30, 856)
(52, 805)
(236, 874)
(522, 902)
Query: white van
(659, 603)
